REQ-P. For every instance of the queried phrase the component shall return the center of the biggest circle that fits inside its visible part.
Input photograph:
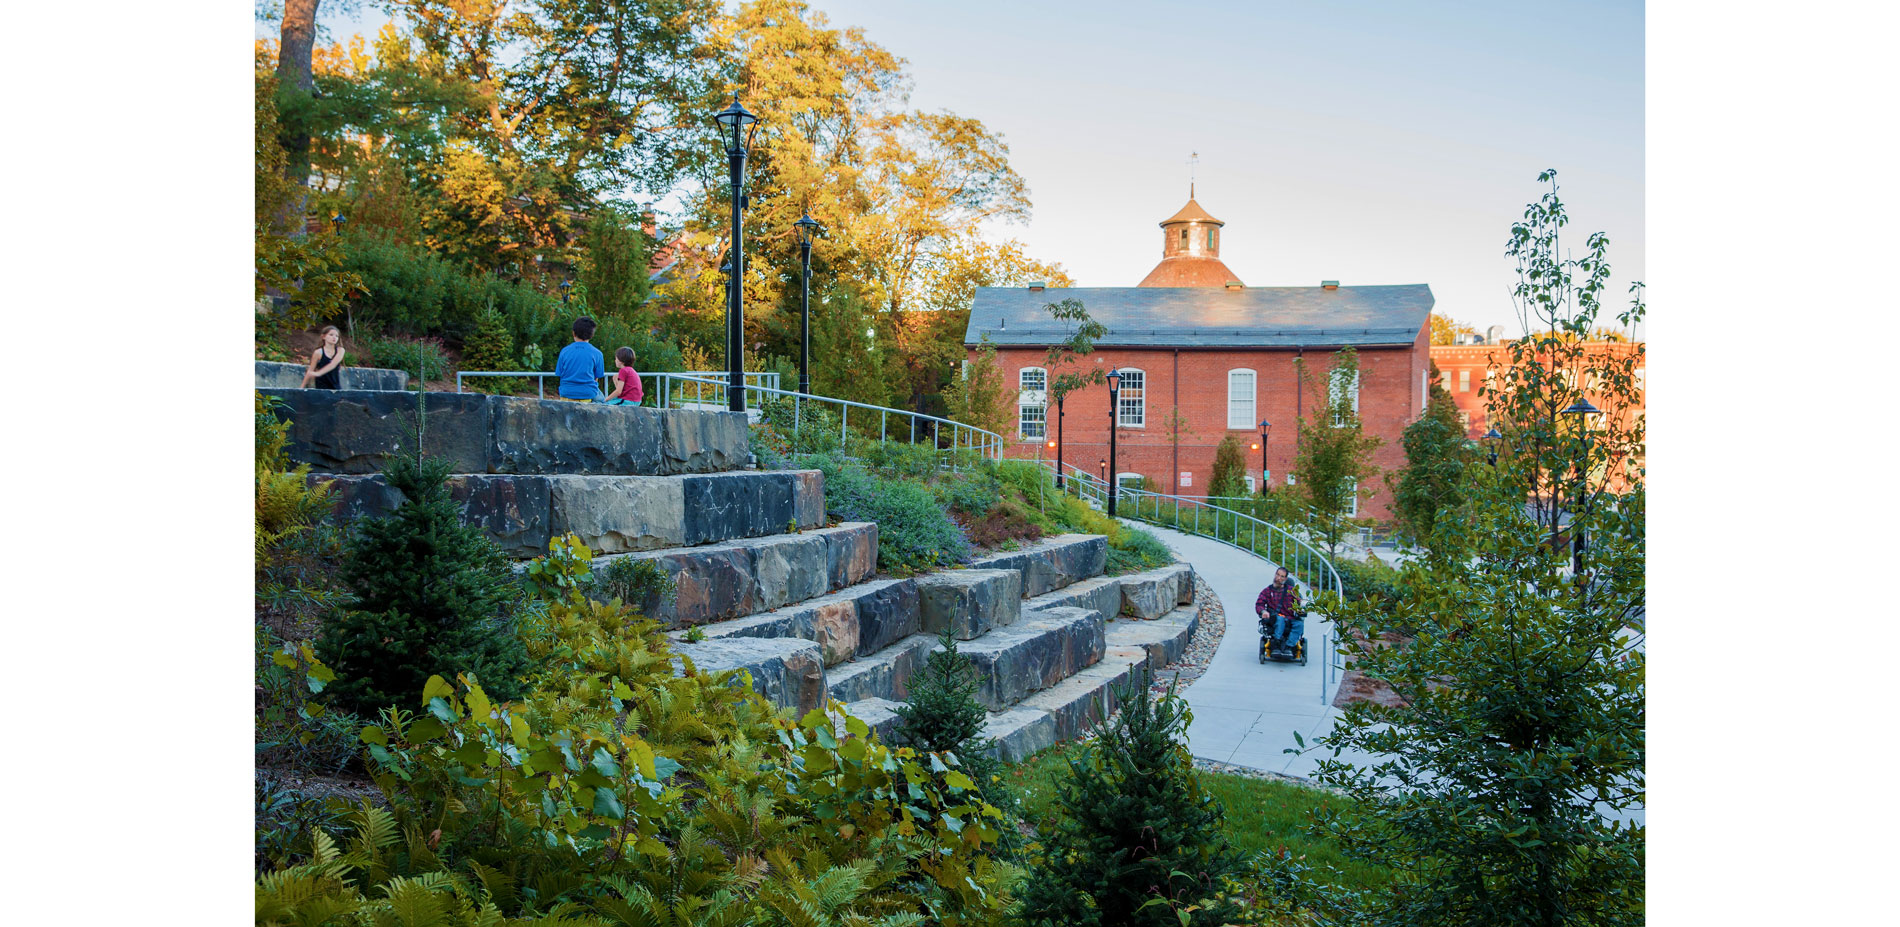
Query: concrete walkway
(1245, 713)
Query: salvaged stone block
(787, 568)
(355, 431)
(1086, 699)
(1053, 563)
(714, 584)
(808, 498)
(851, 555)
(694, 441)
(554, 436)
(887, 612)
(290, 376)
(1164, 639)
(1037, 652)
(614, 514)
(879, 713)
(1100, 594)
(1020, 733)
(736, 505)
(512, 510)
(1154, 593)
(787, 671)
(968, 603)
(884, 674)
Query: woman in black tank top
(326, 362)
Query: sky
(1350, 140)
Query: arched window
(1032, 403)
(1133, 408)
(1240, 399)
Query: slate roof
(1281, 316)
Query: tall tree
(1436, 454)
(1445, 329)
(978, 395)
(1334, 460)
(1517, 749)
(1229, 476)
(295, 85)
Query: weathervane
(1194, 158)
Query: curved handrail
(1304, 561)
(963, 437)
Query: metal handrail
(963, 437)
(762, 377)
(1299, 557)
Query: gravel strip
(1201, 647)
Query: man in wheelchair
(1281, 619)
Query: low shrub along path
(1245, 714)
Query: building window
(1129, 480)
(1032, 402)
(1210, 239)
(1340, 388)
(1033, 422)
(1464, 420)
(1349, 506)
(1240, 400)
(1464, 381)
(1184, 238)
(1134, 402)
(1249, 484)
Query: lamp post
(565, 286)
(733, 121)
(336, 223)
(1114, 410)
(1060, 395)
(1491, 443)
(807, 229)
(1582, 409)
(1266, 428)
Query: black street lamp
(336, 223)
(1266, 428)
(733, 121)
(1491, 442)
(565, 286)
(1581, 409)
(1114, 404)
(807, 229)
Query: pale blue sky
(1368, 142)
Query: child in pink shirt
(627, 390)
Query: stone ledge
(1020, 733)
(1154, 593)
(837, 621)
(352, 431)
(741, 578)
(885, 674)
(1087, 698)
(968, 603)
(788, 672)
(1164, 639)
(277, 375)
(610, 514)
(1037, 652)
(879, 713)
(1052, 563)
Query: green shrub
(432, 596)
(801, 427)
(914, 532)
(411, 290)
(636, 581)
(1374, 581)
(423, 359)
(491, 347)
(972, 493)
(1136, 550)
(1139, 842)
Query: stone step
(1063, 711)
(353, 431)
(610, 514)
(856, 621)
(1148, 594)
(1164, 639)
(885, 674)
(1042, 649)
(789, 672)
(738, 579)
(272, 374)
(1051, 563)
(879, 713)
(968, 603)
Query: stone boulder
(968, 603)
(788, 671)
(885, 674)
(1020, 733)
(272, 374)
(355, 431)
(614, 514)
(1037, 652)
(1100, 594)
(787, 568)
(556, 436)
(1053, 563)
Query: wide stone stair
(763, 582)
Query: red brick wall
(1390, 397)
(1472, 361)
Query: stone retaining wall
(610, 514)
(740, 579)
(1052, 563)
(276, 375)
(353, 431)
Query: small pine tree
(433, 596)
(942, 713)
(491, 347)
(978, 396)
(1135, 828)
(1230, 469)
(1436, 454)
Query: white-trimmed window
(1340, 387)
(1642, 382)
(1250, 483)
(1134, 399)
(1349, 506)
(1464, 381)
(1240, 400)
(1128, 479)
(1032, 402)
(1424, 389)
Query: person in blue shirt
(580, 365)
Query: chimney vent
(1330, 284)
(1235, 285)
(1037, 286)
(1001, 324)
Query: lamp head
(808, 229)
(733, 121)
(1493, 434)
(1582, 407)
(1114, 380)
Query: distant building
(1193, 338)
(1463, 369)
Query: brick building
(1193, 338)
(1464, 368)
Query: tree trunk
(294, 76)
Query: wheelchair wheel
(1302, 651)
(1263, 650)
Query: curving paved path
(1246, 713)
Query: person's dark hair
(584, 328)
(625, 356)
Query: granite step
(1042, 649)
(856, 621)
(610, 514)
(1051, 563)
(1165, 639)
(789, 672)
(968, 603)
(883, 675)
(737, 579)
(1148, 594)
(1064, 711)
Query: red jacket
(1278, 600)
